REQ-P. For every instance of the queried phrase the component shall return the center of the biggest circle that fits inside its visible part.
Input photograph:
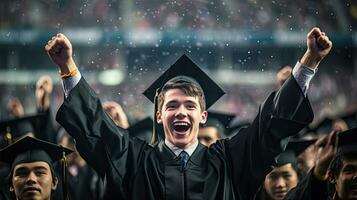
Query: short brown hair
(188, 85)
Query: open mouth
(181, 127)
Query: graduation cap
(298, 146)
(15, 128)
(292, 150)
(219, 120)
(29, 149)
(236, 127)
(185, 70)
(143, 129)
(347, 141)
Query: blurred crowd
(180, 15)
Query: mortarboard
(298, 146)
(347, 141)
(29, 149)
(184, 66)
(219, 120)
(185, 70)
(15, 128)
(293, 149)
(236, 127)
(143, 129)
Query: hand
(14, 106)
(59, 49)
(318, 46)
(115, 111)
(325, 155)
(44, 87)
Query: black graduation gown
(310, 188)
(230, 169)
(4, 183)
(86, 185)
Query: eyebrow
(187, 101)
(34, 168)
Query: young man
(336, 167)
(285, 174)
(178, 167)
(31, 167)
(215, 128)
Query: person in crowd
(286, 173)
(215, 127)
(32, 175)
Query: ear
(54, 183)
(204, 116)
(158, 117)
(331, 178)
(11, 189)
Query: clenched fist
(318, 46)
(59, 48)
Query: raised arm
(106, 147)
(284, 113)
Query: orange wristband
(70, 74)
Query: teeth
(181, 124)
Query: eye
(191, 106)
(40, 173)
(287, 176)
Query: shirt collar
(178, 150)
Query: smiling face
(280, 180)
(346, 183)
(33, 181)
(181, 115)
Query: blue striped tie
(184, 159)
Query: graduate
(286, 173)
(32, 175)
(176, 165)
(215, 127)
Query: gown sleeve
(106, 147)
(252, 151)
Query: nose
(280, 183)
(181, 112)
(31, 178)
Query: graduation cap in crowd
(12, 129)
(184, 70)
(29, 149)
(219, 120)
(347, 141)
(293, 149)
(236, 127)
(298, 146)
(143, 129)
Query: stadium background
(122, 46)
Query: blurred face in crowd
(346, 182)
(306, 160)
(181, 115)
(208, 135)
(280, 180)
(33, 181)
